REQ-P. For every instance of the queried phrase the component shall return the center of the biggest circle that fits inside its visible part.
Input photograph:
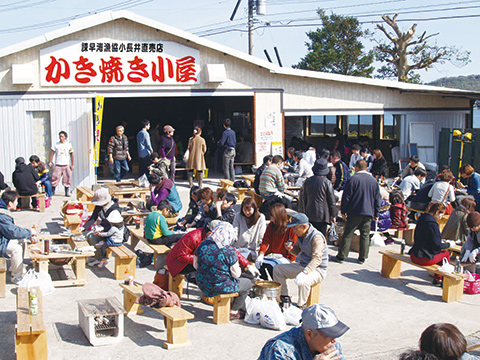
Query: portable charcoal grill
(101, 320)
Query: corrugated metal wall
(73, 115)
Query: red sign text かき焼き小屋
(118, 63)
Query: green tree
(405, 54)
(337, 47)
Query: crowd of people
(222, 249)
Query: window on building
(322, 125)
(390, 128)
(360, 125)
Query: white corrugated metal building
(145, 69)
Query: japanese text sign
(108, 62)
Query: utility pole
(250, 27)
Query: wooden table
(126, 190)
(250, 179)
(76, 258)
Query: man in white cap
(310, 266)
(314, 339)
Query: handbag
(186, 155)
(446, 267)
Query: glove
(451, 243)
(259, 261)
(300, 279)
(466, 256)
(473, 255)
(253, 270)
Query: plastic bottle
(84, 216)
(46, 246)
(137, 222)
(402, 247)
(127, 277)
(33, 302)
(33, 238)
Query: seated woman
(446, 342)
(250, 226)
(156, 228)
(274, 240)
(105, 206)
(456, 227)
(164, 189)
(180, 258)
(219, 267)
(471, 249)
(473, 182)
(443, 192)
(428, 248)
(379, 166)
(207, 210)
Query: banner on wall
(98, 127)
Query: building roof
(108, 16)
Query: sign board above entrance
(110, 62)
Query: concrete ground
(386, 316)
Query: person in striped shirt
(271, 180)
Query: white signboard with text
(112, 62)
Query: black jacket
(24, 179)
(361, 196)
(258, 173)
(317, 199)
(428, 241)
(3, 186)
(379, 167)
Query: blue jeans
(48, 188)
(108, 243)
(121, 169)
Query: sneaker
(93, 262)
(361, 261)
(48, 202)
(235, 315)
(36, 208)
(103, 263)
(99, 244)
(17, 280)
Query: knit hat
(473, 219)
(19, 160)
(101, 197)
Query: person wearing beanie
(471, 249)
(315, 338)
(167, 149)
(26, 180)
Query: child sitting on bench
(113, 236)
(192, 210)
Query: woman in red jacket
(274, 240)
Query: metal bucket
(271, 289)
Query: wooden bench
(221, 308)
(175, 283)
(175, 317)
(406, 234)
(137, 235)
(124, 259)
(24, 201)
(224, 183)
(30, 331)
(257, 198)
(73, 222)
(3, 276)
(314, 296)
(452, 283)
(84, 194)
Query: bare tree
(406, 53)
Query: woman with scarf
(219, 267)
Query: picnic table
(127, 190)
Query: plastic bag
(376, 239)
(292, 315)
(271, 316)
(143, 181)
(252, 310)
(41, 279)
(332, 235)
(446, 267)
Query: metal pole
(250, 27)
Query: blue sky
(284, 25)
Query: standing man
(168, 147)
(342, 174)
(118, 153)
(144, 147)
(360, 204)
(310, 266)
(63, 168)
(11, 235)
(314, 339)
(228, 141)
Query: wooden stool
(124, 259)
(3, 277)
(221, 308)
(314, 296)
(30, 332)
(175, 284)
(406, 234)
(176, 319)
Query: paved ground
(386, 316)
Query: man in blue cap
(314, 339)
(311, 263)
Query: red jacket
(274, 242)
(183, 252)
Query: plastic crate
(472, 287)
